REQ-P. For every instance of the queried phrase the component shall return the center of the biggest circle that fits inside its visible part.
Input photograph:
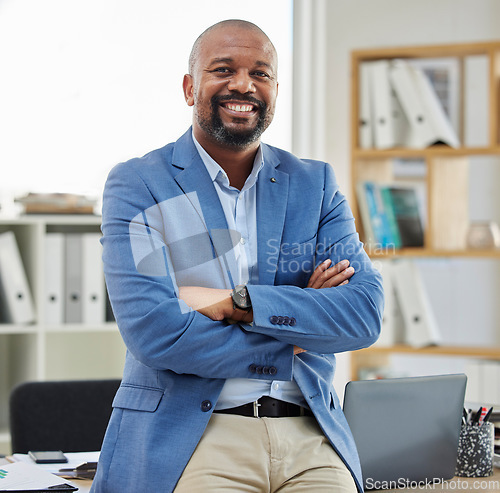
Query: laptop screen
(406, 429)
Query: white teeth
(239, 107)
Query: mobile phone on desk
(48, 456)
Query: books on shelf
(390, 215)
(399, 107)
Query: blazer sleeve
(329, 320)
(154, 328)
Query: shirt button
(206, 406)
(243, 241)
(276, 386)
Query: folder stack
(74, 280)
(399, 107)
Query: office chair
(71, 416)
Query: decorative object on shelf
(483, 235)
(56, 203)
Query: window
(87, 84)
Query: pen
(488, 414)
(475, 419)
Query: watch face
(241, 298)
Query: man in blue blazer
(226, 262)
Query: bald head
(227, 24)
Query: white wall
(88, 83)
(464, 292)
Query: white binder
(54, 278)
(392, 321)
(381, 104)
(420, 323)
(15, 296)
(73, 278)
(427, 120)
(93, 290)
(365, 132)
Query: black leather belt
(268, 407)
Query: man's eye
(221, 70)
(259, 73)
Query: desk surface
(489, 484)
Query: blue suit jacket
(177, 360)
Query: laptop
(406, 429)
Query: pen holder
(475, 450)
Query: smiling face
(232, 86)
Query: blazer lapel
(194, 177)
(272, 199)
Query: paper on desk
(22, 476)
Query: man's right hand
(325, 276)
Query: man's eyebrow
(259, 63)
(220, 60)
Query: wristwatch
(241, 298)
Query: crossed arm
(217, 304)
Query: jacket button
(206, 406)
(266, 370)
(280, 320)
(273, 370)
(252, 368)
(258, 370)
(286, 320)
(292, 322)
(274, 319)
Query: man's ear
(187, 86)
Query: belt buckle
(256, 406)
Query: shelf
(465, 351)
(445, 184)
(30, 219)
(81, 328)
(428, 51)
(428, 152)
(17, 329)
(430, 252)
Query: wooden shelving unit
(446, 181)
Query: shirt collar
(217, 174)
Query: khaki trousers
(264, 455)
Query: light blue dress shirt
(241, 215)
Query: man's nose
(241, 82)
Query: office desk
(489, 484)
